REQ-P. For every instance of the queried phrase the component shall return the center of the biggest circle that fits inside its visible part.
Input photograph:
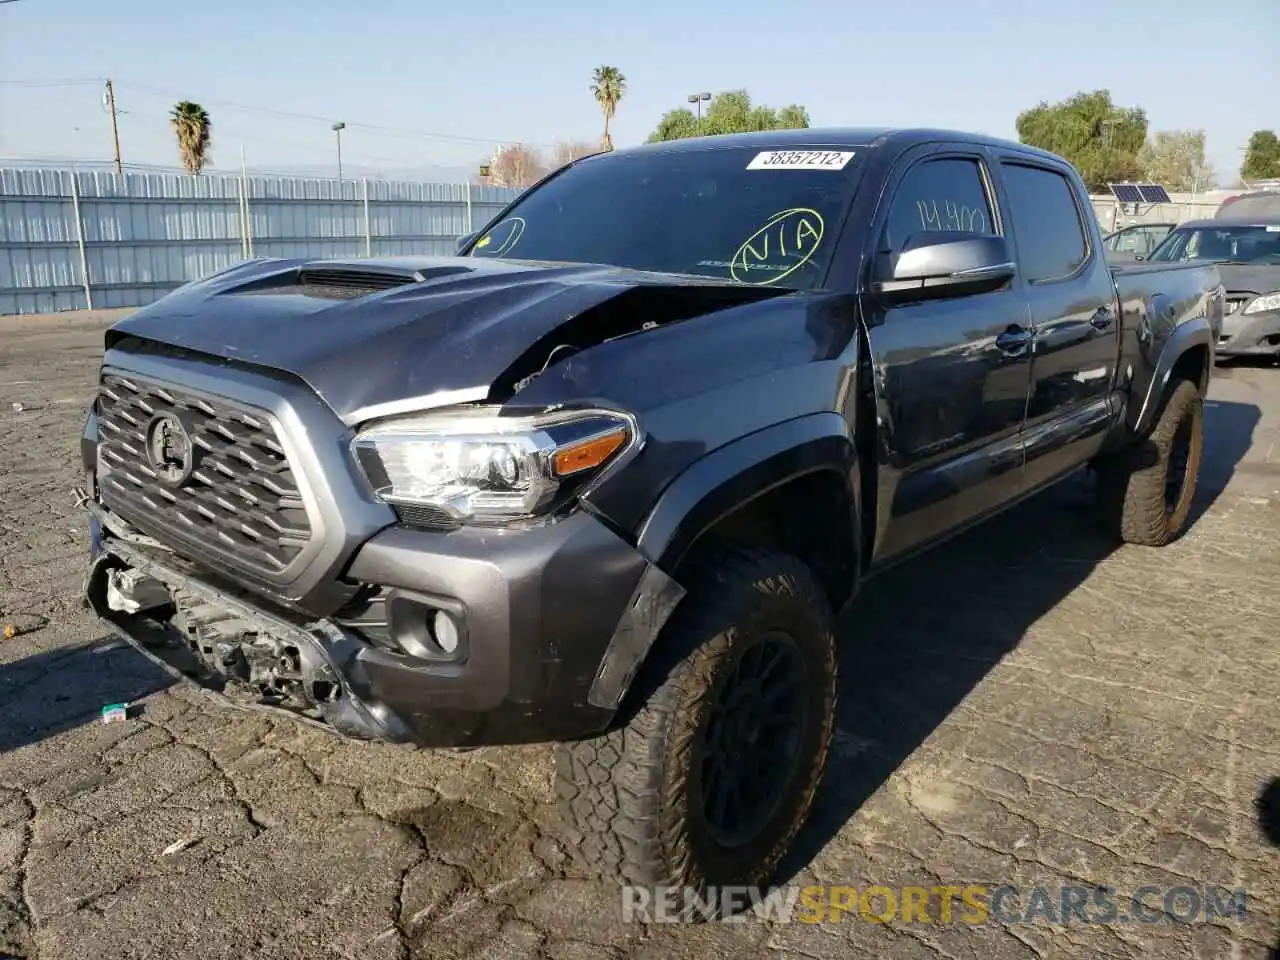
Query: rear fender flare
(1195, 332)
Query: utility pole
(115, 129)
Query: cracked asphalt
(1025, 705)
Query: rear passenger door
(951, 386)
(1070, 294)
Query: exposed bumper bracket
(325, 649)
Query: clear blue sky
(503, 71)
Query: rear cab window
(745, 214)
(1047, 222)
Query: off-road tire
(1131, 485)
(634, 793)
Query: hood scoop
(350, 282)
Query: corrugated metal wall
(141, 234)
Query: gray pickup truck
(604, 477)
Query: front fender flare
(708, 490)
(733, 475)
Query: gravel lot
(1025, 705)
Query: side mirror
(935, 265)
(1139, 256)
(462, 241)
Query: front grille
(1235, 303)
(234, 496)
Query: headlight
(476, 466)
(1268, 301)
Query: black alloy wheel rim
(752, 739)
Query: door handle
(1014, 340)
(1102, 318)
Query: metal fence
(75, 239)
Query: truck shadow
(924, 635)
(1228, 435)
(1267, 805)
(57, 690)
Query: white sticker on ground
(801, 160)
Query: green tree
(794, 117)
(607, 86)
(191, 123)
(676, 125)
(1261, 157)
(1100, 139)
(728, 112)
(1175, 158)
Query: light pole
(337, 130)
(699, 99)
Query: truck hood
(373, 336)
(1250, 277)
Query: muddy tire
(1145, 493)
(739, 693)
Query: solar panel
(1153, 193)
(1126, 192)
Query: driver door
(953, 374)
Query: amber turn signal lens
(589, 453)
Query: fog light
(445, 632)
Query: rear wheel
(710, 777)
(1145, 493)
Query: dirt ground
(1027, 705)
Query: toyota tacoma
(604, 477)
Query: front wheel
(1145, 493)
(710, 777)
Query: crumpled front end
(237, 544)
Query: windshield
(1224, 244)
(740, 213)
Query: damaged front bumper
(1245, 335)
(552, 625)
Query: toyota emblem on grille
(170, 451)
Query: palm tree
(608, 84)
(195, 134)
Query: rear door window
(1046, 221)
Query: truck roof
(901, 138)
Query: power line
(273, 112)
(292, 115)
(274, 141)
(62, 82)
